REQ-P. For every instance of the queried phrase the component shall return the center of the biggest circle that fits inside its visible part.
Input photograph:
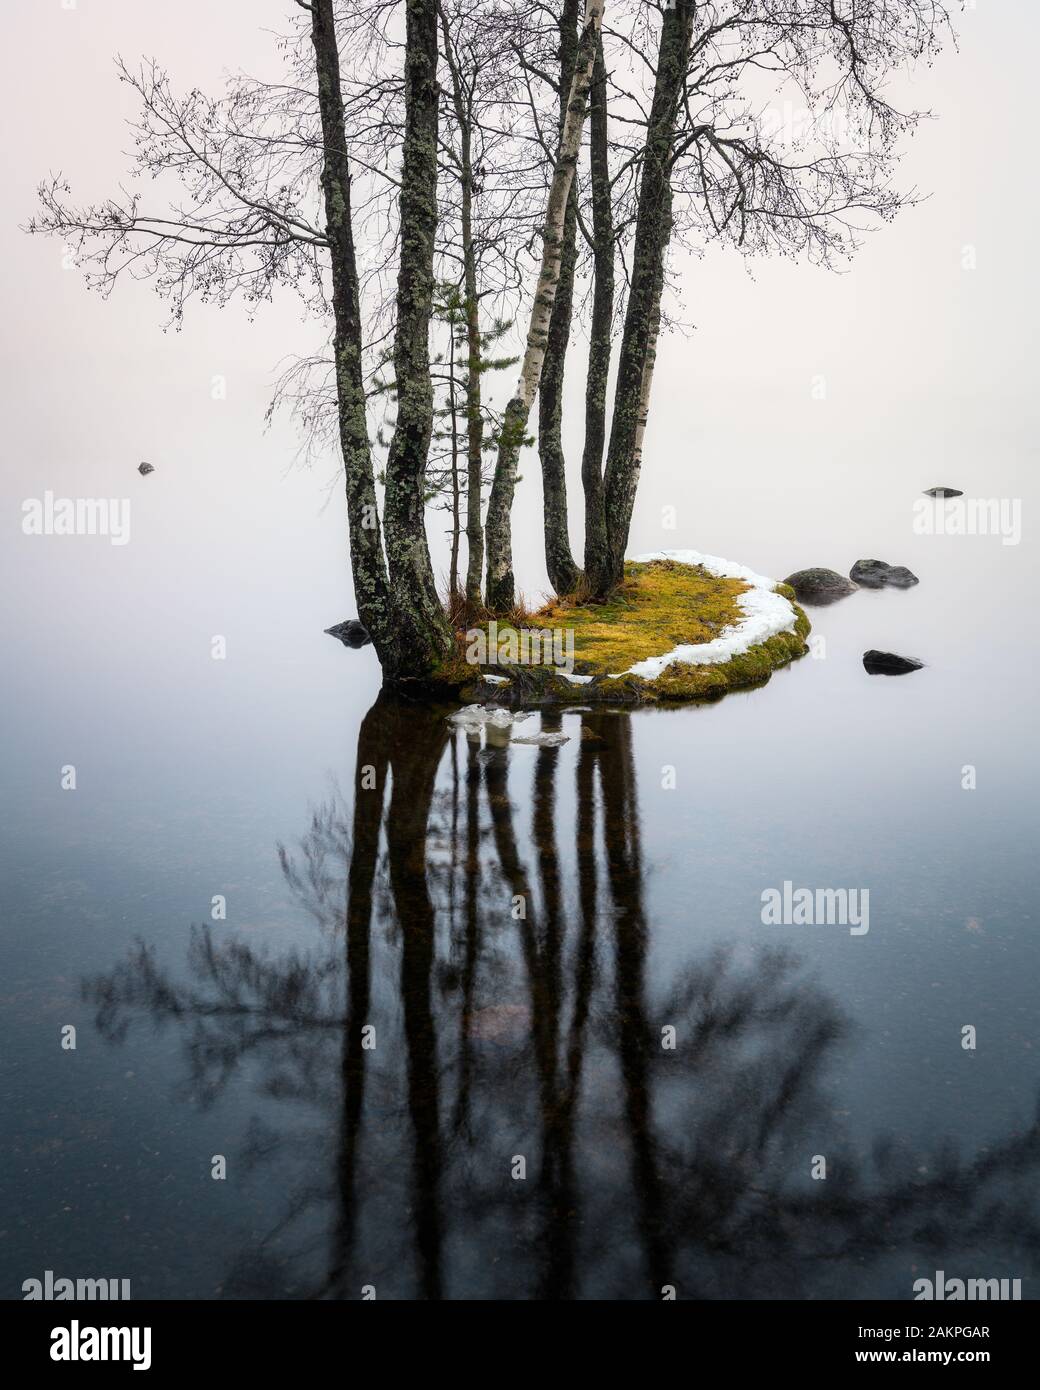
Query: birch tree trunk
(642, 319)
(559, 562)
(418, 612)
(596, 557)
(500, 582)
(371, 585)
(398, 605)
(461, 102)
(453, 571)
(474, 421)
(643, 410)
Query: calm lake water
(371, 859)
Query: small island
(682, 626)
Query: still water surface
(371, 858)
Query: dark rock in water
(145, 468)
(876, 574)
(943, 492)
(819, 585)
(351, 633)
(888, 664)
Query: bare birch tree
(361, 180)
(500, 590)
(711, 148)
(685, 103)
(272, 176)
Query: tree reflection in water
(540, 1036)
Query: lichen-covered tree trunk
(418, 611)
(559, 562)
(500, 582)
(642, 319)
(596, 555)
(371, 584)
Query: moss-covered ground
(661, 605)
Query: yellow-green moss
(658, 606)
(661, 605)
(681, 681)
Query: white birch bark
(500, 587)
(556, 211)
(644, 392)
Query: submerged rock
(876, 574)
(819, 585)
(888, 664)
(943, 492)
(351, 633)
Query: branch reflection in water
(469, 996)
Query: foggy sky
(929, 367)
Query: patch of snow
(574, 680)
(765, 614)
(475, 716)
(497, 680)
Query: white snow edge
(765, 614)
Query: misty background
(929, 367)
